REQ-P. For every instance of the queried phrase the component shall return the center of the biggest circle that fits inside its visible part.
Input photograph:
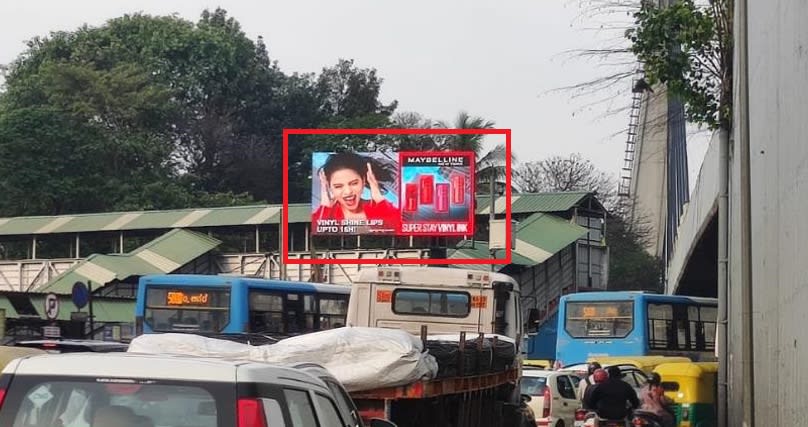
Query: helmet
(594, 366)
(600, 375)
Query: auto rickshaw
(692, 386)
(7, 354)
(538, 363)
(643, 363)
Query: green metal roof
(5, 304)
(241, 215)
(162, 255)
(533, 202)
(145, 220)
(538, 238)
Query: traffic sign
(51, 306)
(80, 295)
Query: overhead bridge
(693, 266)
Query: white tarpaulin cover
(360, 358)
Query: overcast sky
(496, 59)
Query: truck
(482, 309)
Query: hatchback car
(138, 390)
(74, 346)
(552, 396)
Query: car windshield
(36, 401)
(533, 386)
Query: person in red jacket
(343, 179)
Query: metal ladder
(624, 188)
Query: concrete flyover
(693, 266)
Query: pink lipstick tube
(427, 189)
(411, 197)
(458, 182)
(442, 197)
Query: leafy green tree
(688, 47)
(181, 112)
(348, 98)
(631, 267)
(490, 167)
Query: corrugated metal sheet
(122, 221)
(532, 202)
(162, 255)
(241, 215)
(5, 304)
(537, 239)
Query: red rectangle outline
(472, 213)
(429, 261)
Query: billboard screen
(408, 193)
(437, 193)
(355, 193)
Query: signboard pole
(281, 265)
(90, 303)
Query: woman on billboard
(343, 179)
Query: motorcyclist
(599, 376)
(612, 398)
(654, 401)
(588, 380)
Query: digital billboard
(409, 193)
(437, 193)
(355, 193)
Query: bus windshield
(603, 319)
(187, 309)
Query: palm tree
(490, 167)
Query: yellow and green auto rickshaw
(692, 386)
(538, 363)
(643, 363)
(7, 354)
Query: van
(139, 390)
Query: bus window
(431, 303)
(660, 317)
(708, 317)
(309, 311)
(266, 312)
(187, 309)
(333, 311)
(682, 327)
(614, 319)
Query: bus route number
(181, 298)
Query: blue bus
(222, 305)
(597, 324)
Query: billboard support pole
(281, 264)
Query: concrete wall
(648, 184)
(778, 107)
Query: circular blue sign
(80, 295)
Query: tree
(197, 105)
(573, 173)
(347, 98)
(631, 267)
(490, 167)
(688, 48)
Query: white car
(139, 390)
(552, 395)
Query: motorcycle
(646, 419)
(587, 418)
